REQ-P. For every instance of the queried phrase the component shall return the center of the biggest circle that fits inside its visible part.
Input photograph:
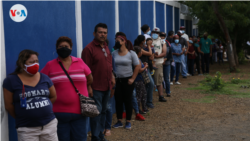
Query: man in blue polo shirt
(206, 53)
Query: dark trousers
(220, 56)
(191, 66)
(141, 94)
(205, 62)
(123, 95)
(175, 71)
(197, 61)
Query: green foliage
(216, 83)
(235, 81)
(241, 57)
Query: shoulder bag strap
(69, 77)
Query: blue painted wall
(176, 19)
(160, 22)
(147, 14)
(97, 12)
(128, 19)
(182, 22)
(169, 10)
(45, 22)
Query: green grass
(206, 99)
(229, 89)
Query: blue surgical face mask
(176, 41)
(155, 36)
(149, 32)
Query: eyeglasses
(104, 51)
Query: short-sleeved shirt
(67, 98)
(185, 36)
(147, 36)
(205, 45)
(123, 64)
(183, 42)
(176, 49)
(38, 111)
(191, 49)
(99, 64)
(139, 76)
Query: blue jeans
(150, 89)
(183, 65)
(97, 124)
(166, 73)
(109, 114)
(177, 70)
(72, 127)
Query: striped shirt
(67, 99)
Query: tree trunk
(235, 51)
(224, 29)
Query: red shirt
(99, 64)
(191, 49)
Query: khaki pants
(158, 76)
(46, 133)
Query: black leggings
(123, 94)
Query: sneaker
(153, 72)
(124, 115)
(118, 125)
(171, 83)
(142, 112)
(146, 110)
(200, 74)
(139, 117)
(162, 99)
(188, 74)
(150, 106)
(128, 125)
(168, 95)
(177, 83)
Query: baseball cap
(182, 27)
(156, 29)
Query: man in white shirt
(160, 53)
(184, 66)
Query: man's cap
(182, 27)
(156, 29)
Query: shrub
(216, 83)
(241, 57)
(235, 81)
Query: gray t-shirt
(123, 64)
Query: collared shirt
(176, 49)
(67, 99)
(99, 64)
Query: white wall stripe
(78, 14)
(116, 16)
(4, 134)
(165, 18)
(154, 13)
(173, 21)
(139, 17)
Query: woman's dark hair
(138, 40)
(120, 34)
(103, 25)
(162, 34)
(144, 28)
(137, 49)
(170, 33)
(64, 39)
(148, 39)
(22, 58)
(129, 45)
(174, 38)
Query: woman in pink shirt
(71, 124)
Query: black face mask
(63, 52)
(118, 45)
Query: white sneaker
(188, 74)
(171, 83)
(177, 83)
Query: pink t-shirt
(67, 100)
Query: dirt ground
(227, 119)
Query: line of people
(46, 106)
